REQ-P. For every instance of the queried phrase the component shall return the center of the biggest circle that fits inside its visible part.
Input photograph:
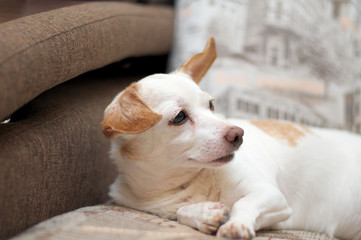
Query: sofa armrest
(45, 49)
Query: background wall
(295, 60)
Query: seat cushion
(42, 50)
(109, 222)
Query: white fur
(318, 178)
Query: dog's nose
(234, 136)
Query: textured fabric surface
(10, 10)
(115, 222)
(292, 235)
(54, 157)
(45, 49)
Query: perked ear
(129, 114)
(197, 65)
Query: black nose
(234, 136)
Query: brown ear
(129, 114)
(198, 65)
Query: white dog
(178, 160)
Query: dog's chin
(217, 162)
(222, 160)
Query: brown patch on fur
(197, 66)
(305, 128)
(129, 114)
(284, 131)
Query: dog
(179, 160)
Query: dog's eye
(179, 119)
(211, 105)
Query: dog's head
(168, 119)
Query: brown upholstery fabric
(114, 222)
(10, 10)
(45, 49)
(54, 157)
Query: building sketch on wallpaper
(249, 106)
(296, 60)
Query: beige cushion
(45, 49)
(292, 235)
(115, 222)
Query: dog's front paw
(235, 230)
(204, 216)
(214, 214)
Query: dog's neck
(162, 189)
(147, 179)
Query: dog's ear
(129, 114)
(197, 65)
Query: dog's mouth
(216, 162)
(222, 160)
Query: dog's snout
(234, 136)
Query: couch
(61, 63)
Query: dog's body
(174, 158)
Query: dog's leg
(258, 209)
(204, 216)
